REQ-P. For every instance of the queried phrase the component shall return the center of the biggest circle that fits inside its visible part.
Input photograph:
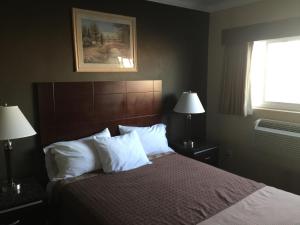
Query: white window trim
(280, 106)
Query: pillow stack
(101, 151)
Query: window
(275, 74)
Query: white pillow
(121, 153)
(153, 138)
(72, 158)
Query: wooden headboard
(70, 110)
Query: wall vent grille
(278, 127)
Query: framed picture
(104, 42)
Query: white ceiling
(206, 5)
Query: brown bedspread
(173, 190)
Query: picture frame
(104, 42)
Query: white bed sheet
(267, 206)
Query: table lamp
(189, 104)
(13, 125)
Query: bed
(172, 190)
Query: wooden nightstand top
(199, 147)
(31, 192)
(202, 151)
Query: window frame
(279, 106)
(283, 106)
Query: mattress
(172, 190)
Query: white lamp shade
(189, 103)
(13, 124)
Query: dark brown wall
(36, 46)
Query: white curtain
(235, 96)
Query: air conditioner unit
(278, 127)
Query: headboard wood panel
(71, 110)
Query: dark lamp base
(188, 144)
(11, 187)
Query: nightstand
(203, 151)
(28, 207)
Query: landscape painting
(104, 42)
